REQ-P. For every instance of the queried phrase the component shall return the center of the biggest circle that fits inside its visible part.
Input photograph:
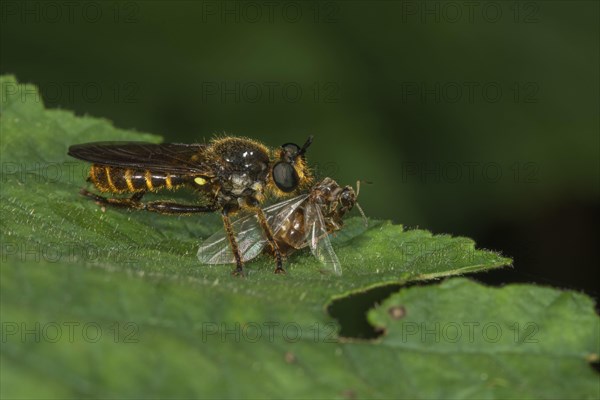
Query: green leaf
(114, 303)
(519, 341)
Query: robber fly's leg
(269, 234)
(169, 207)
(132, 202)
(162, 207)
(239, 265)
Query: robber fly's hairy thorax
(228, 173)
(242, 170)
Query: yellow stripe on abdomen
(128, 180)
(148, 179)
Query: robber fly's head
(290, 170)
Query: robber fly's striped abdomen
(130, 180)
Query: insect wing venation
(249, 234)
(317, 238)
(164, 157)
(250, 237)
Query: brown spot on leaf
(397, 312)
(289, 357)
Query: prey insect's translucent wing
(249, 234)
(317, 237)
(278, 214)
(250, 238)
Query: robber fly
(302, 221)
(229, 174)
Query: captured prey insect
(229, 174)
(302, 221)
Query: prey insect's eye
(285, 177)
(348, 198)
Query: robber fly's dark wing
(165, 157)
(318, 239)
(249, 235)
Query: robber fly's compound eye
(285, 177)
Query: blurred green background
(470, 118)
